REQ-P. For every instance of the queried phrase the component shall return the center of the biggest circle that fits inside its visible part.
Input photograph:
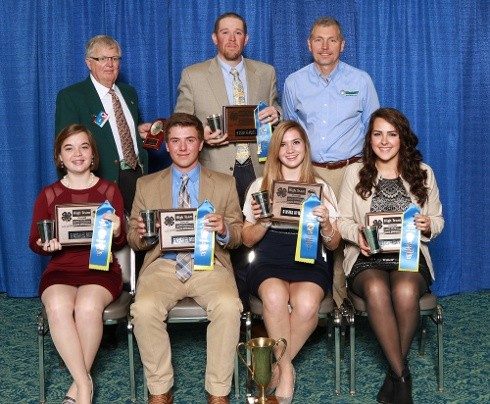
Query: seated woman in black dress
(390, 178)
(275, 277)
(75, 296)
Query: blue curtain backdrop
(429, 59)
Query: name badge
(309, 227)
(101, 119)
(204, 241)
(409, 241)
(264, 133)
(100, 248)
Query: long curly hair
(409, 157)
(272, 169)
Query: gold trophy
(261, 354)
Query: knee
(226, 306)
(88, 312)
(405, 293)
(274, 299)
(145, 309)
(306, 308)
(57, 311)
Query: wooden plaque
(75, 222)
(155, 136)
(287, 197)
(177, 229)
(239, 123)
(389, 226)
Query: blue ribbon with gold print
(409, 241)
(204, 240)
(264, 133)
(100, 247)
(309, 227)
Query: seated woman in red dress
(74, 295)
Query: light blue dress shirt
(228, 78)
(334, 111)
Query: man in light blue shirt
(333, 102)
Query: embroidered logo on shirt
(349, 93)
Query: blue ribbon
(409, 241)
(204, 240)
(100, 248)
(264, 133)
(309, 227)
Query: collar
(102, 90)
(333, 74)
(193, 174)
(240, 67)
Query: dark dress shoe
(403, 388)
(218, 399)
(165, 398)
(387, 390)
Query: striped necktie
(183, 261)
(124, 133)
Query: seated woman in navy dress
(74, 295)
(275, 277)
(390, 177)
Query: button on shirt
(106, 100)
(334, 111)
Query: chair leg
(236, 378)
(132, 381)
(248, 337)
(440, 350)
(352, 332)
(423, 336)
(40, 340)
(337, 321)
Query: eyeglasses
(106, 59)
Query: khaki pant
(334, 179)
(157, 292)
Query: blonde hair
(273, 166)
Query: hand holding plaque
(288, 197)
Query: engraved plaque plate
(287, 198)
(389, 226)
(74, 223)
(239, 123)
(177, 229)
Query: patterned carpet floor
(466, 357)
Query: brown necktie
(122, 126)
(242, 151)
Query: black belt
(333, 165)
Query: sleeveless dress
(389, 196)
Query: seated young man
(163, 279)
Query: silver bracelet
(265, 225)
(328, 238)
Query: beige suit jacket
(353, 211)
(154, 191)
(202, 93)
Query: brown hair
(327, 22)
(184, 120)
(272, 169)
(409, 157)
(232, 15)
(64, 134)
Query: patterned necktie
(242, 151)
(183, 260)
(122, 126)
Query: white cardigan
(353, 211)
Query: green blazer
(80, 103)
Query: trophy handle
(242, 344)
(285, 344)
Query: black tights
(392, 300)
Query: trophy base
(264, 400)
